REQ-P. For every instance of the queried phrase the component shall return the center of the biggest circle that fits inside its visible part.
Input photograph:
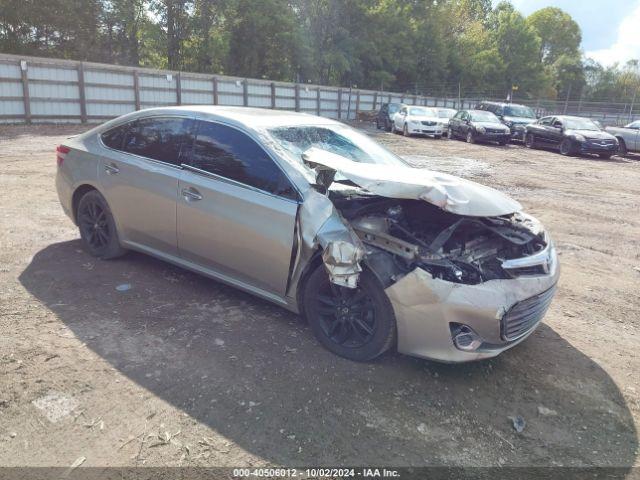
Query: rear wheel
(529, 141)
(357, 324)
(566, 147)
(97, 227)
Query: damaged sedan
(310, 214)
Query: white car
(412, 120)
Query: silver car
(628, 137)
(316, 217)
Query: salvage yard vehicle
(628, 137)
(513, 115)
(412, 120)
(571, 136)
(385, 115)
(314, 216)
(478, 126)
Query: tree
(559, 34)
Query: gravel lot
(181, 370)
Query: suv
(514, 116)
(384, 119)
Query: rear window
(114, 138)
(159, 138)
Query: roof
(257, 117)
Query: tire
(502, 143)
(97, 227)
(344, 333)
(566, 147)
(377, 124)
(530, 140)
(405, 131)
(388, 126)
(622, 149)
(450, 134)
(605, 156)
(471, 138)
(438, 137)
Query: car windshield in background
(480, 116)
(519, 111)
(338, 139)
(393, 108)
(580, 124)
(446, 113)
(422, 112)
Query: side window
(114, 138)
(232, 154)
(546, 121)
(557, 123)
(159, 138)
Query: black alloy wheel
(97, 227)
(355, 323)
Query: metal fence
(44, 90)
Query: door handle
(190, 194)
(111, 169)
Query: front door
(236, 209)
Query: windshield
(338, 139)
(445, 113)
(422, 112)
(393, 107)
(480, 116)
(519, 111)
(580, 124)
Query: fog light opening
(464, 338)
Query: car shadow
(252, 372)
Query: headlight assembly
(481, 129)
(579, 138)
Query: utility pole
(566, 101)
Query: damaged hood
(450, 193)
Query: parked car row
(495, 122)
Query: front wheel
(97, 227)
(471, 138)
(566, 147)
(357, 324)
(529, 141)
(405, 131)
(450, 133)
(622, 149)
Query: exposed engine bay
(455, 248)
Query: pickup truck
(628, 137)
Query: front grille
(429, 123)
(602, 143)
(494, 130)
(525, 315)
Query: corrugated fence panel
(259, 101)
(111, 78)
(11, 107)
(158, 81)
(285, 103)
(112, 94)
(56, 109)
(9, 71)
(52, 73)
(197, 98)
(10, 89)
(196, 84)
(109, 109)
(54, 91)
(158, 97)
(259, 88)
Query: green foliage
(432, 47)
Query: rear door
(236, 209)
(139, 176)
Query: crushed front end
(462, 288)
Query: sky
(610, 28)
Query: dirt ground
(182, 371)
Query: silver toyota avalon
(312, 215)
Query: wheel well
(77, 195)
(621, 140)
(315, 261)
